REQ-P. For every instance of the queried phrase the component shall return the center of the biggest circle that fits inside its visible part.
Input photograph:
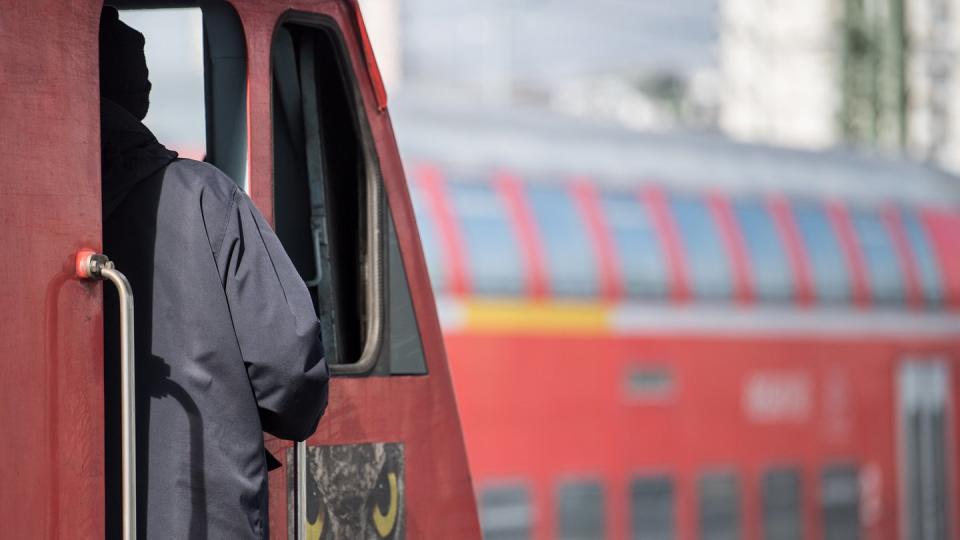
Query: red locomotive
(391, 434)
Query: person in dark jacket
(227, 339)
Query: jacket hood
(129, 154)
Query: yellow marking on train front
(536, 317)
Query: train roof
(544, 146)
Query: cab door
(388, 459)
(51, 408)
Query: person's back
(227, 340)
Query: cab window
(330, 210)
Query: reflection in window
(782, 516)
(505, 512)
(580, 513)
(924, 258)
(638, 248)
(492, 252)
(828, 268)
(719, 504)
(652, 508)
(707, 262)
(570, 259)
(770, 268)
(430, 238)
(882, 265)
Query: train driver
(227, 339)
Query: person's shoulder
(202, 179)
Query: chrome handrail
(95, 266)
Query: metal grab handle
(92, 265)
(300, 457)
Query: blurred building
(643, 63)
(876, 73)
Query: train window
(828, 267)
(652, 508)
(580, 513)
(882, 264)
(571, 266)
(638, 248)
(923, 256)
(505, 512)
(429, 238)
(492, 251)
(840, 502)
(719, 506)
(197, 63)
(782, 501)
(707, 262)
(772, 276)
(328, 204)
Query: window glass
(430, 239)
(923, 256)
(782, 516)
(719, 504)
(840, 502)
(707, 262)
(505, 512)
(492, 251)
(828, 268)
(326, 192)
(883, 267)
(639, 250)
(174, 52)
(571, 268)
(652, 508)
(580, 514)
(770, 268)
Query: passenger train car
(677, 336)
(388, 459)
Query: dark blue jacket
(227, 340)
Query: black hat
(123, 66)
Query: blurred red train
(677, 336)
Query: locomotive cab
(295, 113)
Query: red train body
(805, 391)
(392, 422)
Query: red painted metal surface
(942, 227)
(420, 412)
(51, 459)
(735, 248)
(431, 184)
(587, 200)
(655, 202)
(796, 252)
(535, 273)
(908, 267)
(51, 354)
(587, 427)
(840, 221)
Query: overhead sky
(545, 40)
